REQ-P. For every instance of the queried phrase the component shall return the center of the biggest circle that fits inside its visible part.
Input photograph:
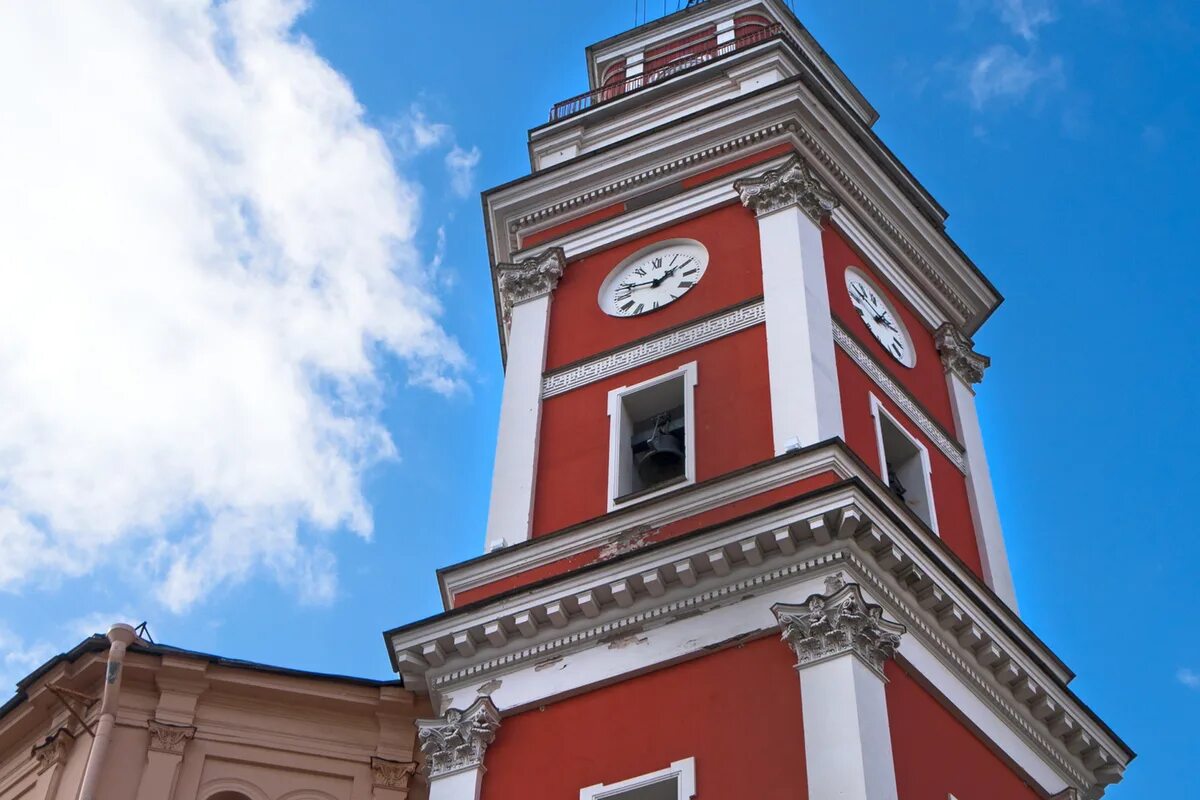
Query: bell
(662, 460)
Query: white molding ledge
(900, 397)
(676, 341)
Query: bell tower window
(904, 465)
(651, 437)
(676, 782)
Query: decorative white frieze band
(388, 774)
(837, 622)
(668, 344)
(793, 184)
(167, 738)
(901, 398)
(958, 356)
(530, 278)
(458, 740)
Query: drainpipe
(121, 636)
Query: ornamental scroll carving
(957, 355)
(530, 278)
(388, 774)
(167, 738)
(54, 750)
(458, 740)
(839, 621)
(793, 184)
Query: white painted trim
(985, 516)
(806, 404)
(847, 738)
(878, 409)
(900, 397)
(694, 335)
(683, 772)
(514, 474)
(618, 434)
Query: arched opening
(228, 794)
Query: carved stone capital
(458, 740)
(54, 750)
(957, 355)
(793, 184)
(533, 277)
(388, 774)
(839, 621)
(168, 738)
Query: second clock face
(881, 320)
(653, 278)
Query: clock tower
(742, 539)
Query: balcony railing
(694, 58)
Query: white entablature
(879, 209)
(657, 604)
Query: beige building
(173, 723)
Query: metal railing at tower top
(694, 56)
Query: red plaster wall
(949, 485)
(733, 415)
(579, 329)
(926, 381)
(737, 712)
(936, 755)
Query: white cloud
(204, 249)
(1025, 17)
(1002, 75)
(415, 133)
(1189, 678)
(461, 165)
(18, 658)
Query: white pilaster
(841, 643)
(526, 290)
(965, 367)
(454, 746)
(790, 203)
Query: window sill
(652, 491)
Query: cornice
(979, 640)
(958, 356)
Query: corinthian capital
(53, 751)
(837, 622)
(530, 278)
(458, 740)
(957, 355)
(389, 774)
(167, 738)
(793, 184)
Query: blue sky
(1057, 132)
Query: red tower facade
(742, 539)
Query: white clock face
(880, 318)
(653, 278)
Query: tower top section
(703, 31)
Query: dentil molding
(533, 277)
(458, 740)
(793, 184)
(958, 356)
(838, 622)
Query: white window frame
(878, 409)
(683, 771)
(618, 434)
